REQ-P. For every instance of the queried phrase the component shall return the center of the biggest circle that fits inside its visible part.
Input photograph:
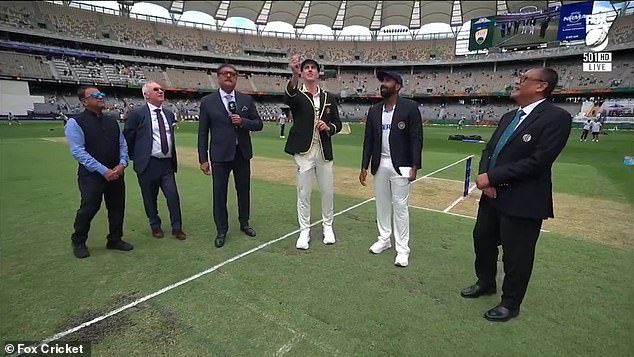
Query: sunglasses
(158, 89)
(524, 79)
(98, 95)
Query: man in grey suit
(229, 117)
(150, 137)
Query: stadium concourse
(266, 298)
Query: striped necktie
(505, 137)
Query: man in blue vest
(101, 151)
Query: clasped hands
(483, 183)
(114, 173)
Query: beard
(386, 92)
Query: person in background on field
(460, 123)
(102, 154)
(596, 130)
(282, 123)
(63, 117)
(586, 129)
(12, 119)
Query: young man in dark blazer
(515, 178)
(393, 145)
(229, 117)
(149, 132)
(315, 121)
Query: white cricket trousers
(309, 165)
(392, 194)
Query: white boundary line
(212, 269)
(288, 346)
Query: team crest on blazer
(244, 108)
(527, 137)
(401, 125)
(327, 110)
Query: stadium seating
(437, 80)
(16, 13)
(79, 23)
(269, 83)
(24, 65)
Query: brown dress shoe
(179, 234)
(157, 233)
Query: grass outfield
(329, 300)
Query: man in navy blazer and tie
(515, 179)
(392, 148)
(228, 117)
(152, 146)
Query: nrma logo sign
(575, 17)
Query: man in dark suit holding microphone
(515, 178)
(393, 144)
(228, 116)
(152, 146)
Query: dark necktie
(164, 147)
(508, 131)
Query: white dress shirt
(227, 97)
(527, 110)
(156, 134)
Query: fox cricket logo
(481, 36)
(597, 28)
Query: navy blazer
(216, 132)
(138, 135)
(522, 174)
(406, 136)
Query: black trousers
(518, 237)
(584, 134)
(160, 174)
(93, 188)
(241, 168)
(282, 129)
(595, 135)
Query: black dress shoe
(119, 245)
(475, 291)
(501, 314)
(220, 239)
(248, 231)
(80, 250)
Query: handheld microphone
(233, 109)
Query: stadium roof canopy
(339, 14)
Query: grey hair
(145, 88)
